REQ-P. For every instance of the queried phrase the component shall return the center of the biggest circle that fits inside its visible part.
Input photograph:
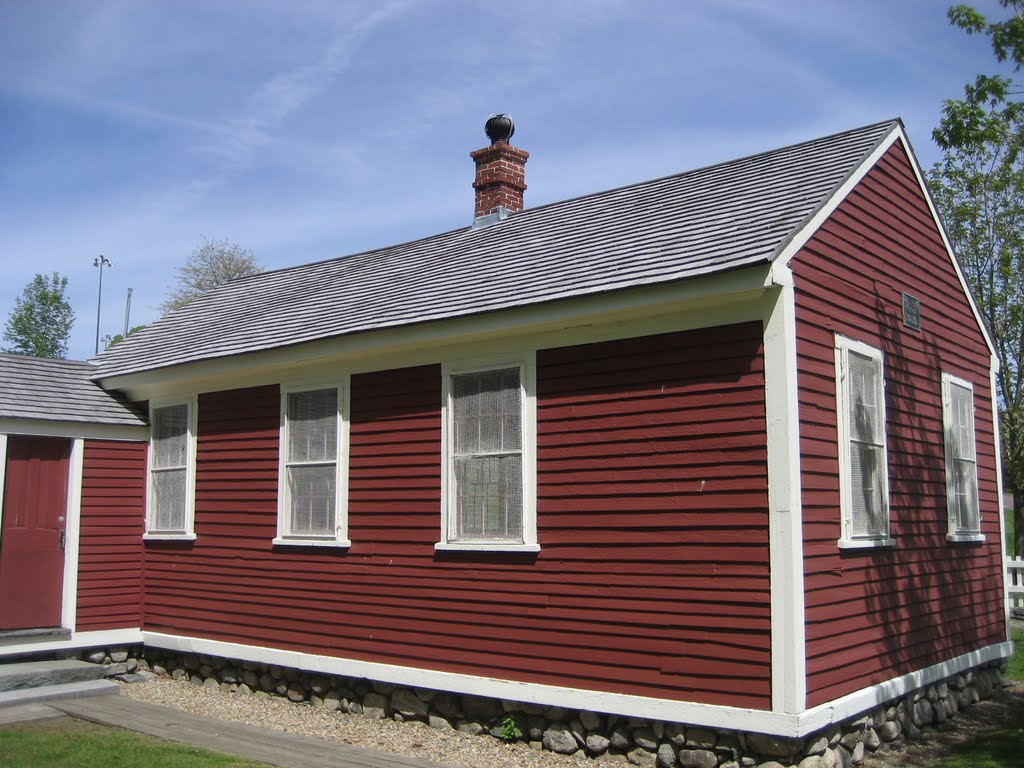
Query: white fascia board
(371, 349)
(73, 429)
(105, 638)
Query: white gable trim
(811, 226)
(814, 223)
(949, 252)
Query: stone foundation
(572, 732)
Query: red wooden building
(717, 448)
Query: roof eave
(278, 361)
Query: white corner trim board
(72, 528)
(785, 523)
(3, 474)
(707, 715)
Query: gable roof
(59, 390)
(713, 219)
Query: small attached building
(72, 508)
(717, 448)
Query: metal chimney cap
(499, 128)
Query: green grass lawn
(1015, 667)
(997, 749)
(69, 743)
(1001, 749)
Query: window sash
(169, 504)
(961, 457)
(170, 444)
(311, 463)
(486, 456)
(864, 481)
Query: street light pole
(100, 261)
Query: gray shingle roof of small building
(59, 390)
(712, 219)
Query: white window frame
(849, 538)
(954, 532)
(528, 390)
(188, 533)
(340, 538)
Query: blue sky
(308, 129)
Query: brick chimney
(500, 173)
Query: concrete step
(36, 674)
(76, 690)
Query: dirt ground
(1003, 709)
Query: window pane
(865, 393)
(487, 412)
(965, 483)
(963, 422)
(168, 512)
(487, 460)
(170, 436)
(867, 482)
(489, 497)
(313, 425)
(312, 493)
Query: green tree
(979, 191)
(110, 341)
(213, 263)
(42, 318)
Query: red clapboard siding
(876, 614)
(110, 537)
(652, 453)
(653, 575)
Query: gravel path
(450, 748)
(459, 750)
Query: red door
(32, 535)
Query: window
(961, 460)
(863, 472)
(488, 458)
(310, 509)
(171, 470)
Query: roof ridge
(565, 201)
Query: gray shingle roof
(712, 219)
(59, 390)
